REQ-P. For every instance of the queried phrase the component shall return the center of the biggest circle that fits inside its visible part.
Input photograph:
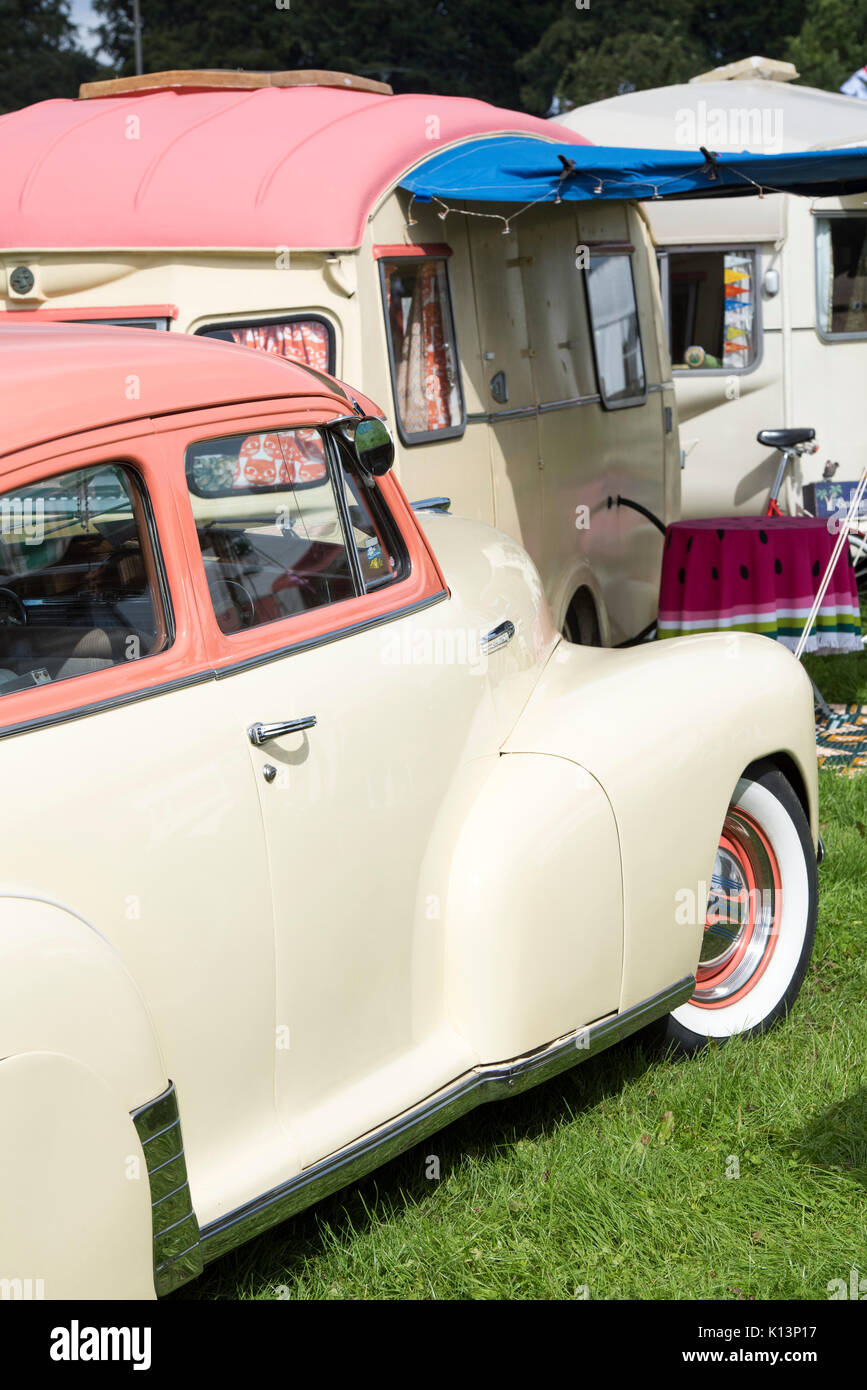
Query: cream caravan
(765, 297)
(528, 384)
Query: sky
(83, 16)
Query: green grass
(613, 1176)
(842, 679)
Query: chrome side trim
(177, 1251)
(524, 412)
(498, 637)
(486, 417)
(392, 616)
(594, 399)
(490, 417)
(98, 706)
(200, 677)
(484, 1083)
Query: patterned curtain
(292, 456)
(305, 341)
(424, 380)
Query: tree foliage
(832, 43)
(615, 46)
(462, 47)
(39, 57)
(517, 53)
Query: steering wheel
(243, 601)
(228, 593)
(12, 610)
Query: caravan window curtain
(306, 340)
(426, 380)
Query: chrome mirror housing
(370, 440)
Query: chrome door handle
(261, 733)
(498, 637)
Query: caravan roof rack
(227, 80)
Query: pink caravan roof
(297, 167)
(59, 379)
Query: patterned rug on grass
(841, 741)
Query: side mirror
(370, 441)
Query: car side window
(377, 545)
(273, 511)
(616, 336)
(80, 586)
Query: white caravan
(765, 297)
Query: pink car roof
(58, 379)
(297, 167)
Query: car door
(139, 820)
(340, 672)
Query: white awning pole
(842, 539)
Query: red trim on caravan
(427, 249)
(120, 311)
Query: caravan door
(509, 396)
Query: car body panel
(658, 727)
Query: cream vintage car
(317, 832)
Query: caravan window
(616, 336)
(710, 308)
(841, 275)
(302, 337)
(421, 341)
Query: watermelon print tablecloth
(757, 574)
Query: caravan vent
(749, 69)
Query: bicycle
(792, 443)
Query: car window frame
(127, 681)
(337, 455)
(421, 586)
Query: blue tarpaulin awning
(523, 169)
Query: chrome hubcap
(742, 913)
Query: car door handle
(261, 733)
(498, 637)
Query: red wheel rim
(743, 917)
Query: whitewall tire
(761, 919)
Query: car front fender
(667, 728)
(523, 872)
(65, 990)
(78, 1054)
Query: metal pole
(136, 27)
(842, 539)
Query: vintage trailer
(528, 382)
(765, 298)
